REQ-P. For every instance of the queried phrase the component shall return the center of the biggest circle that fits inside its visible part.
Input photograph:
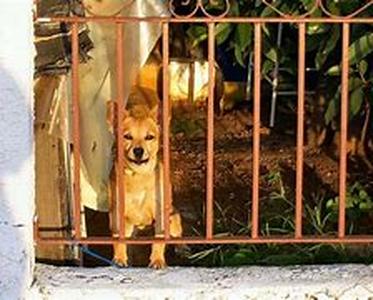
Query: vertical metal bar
(166, 130)
(344, 129)
(256, 130)
(120, 106)
(210, 133)
(300, 129)
(76, 127)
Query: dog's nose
(138, 152)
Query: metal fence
(211, 21)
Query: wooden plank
(51, 181)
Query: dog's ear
(153, 112)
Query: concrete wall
(16, 148)
(333, 282)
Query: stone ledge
(295, 282)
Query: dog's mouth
(138, 162)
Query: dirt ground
(233, 165)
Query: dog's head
(140, 137)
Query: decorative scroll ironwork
(221, 8)
(200, 6)
(351, 15)
(286, 15)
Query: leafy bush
(323, 48)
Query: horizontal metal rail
(358, 239)
(120, 19)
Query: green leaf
(363, 195)
(366, 205)
(356, 100)
(355, 83)
(272, 54)
(333, 108)
(238, 55)
(269, 49)
(355, 87)
(332, 203)
(243, 36)
(333, 7)
(197, 33)
(363, 67)
(308, 4)
(328, 46)
(222, 31)
(267, 12)
(356, 52)
(234, 9)
(258, 3)
(268, 66)
(334, 71)
(360, 48)
(217, 4)
(316, 28)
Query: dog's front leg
(157, 259)
(120, 249)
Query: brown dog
(142, 175)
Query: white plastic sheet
(97, 86)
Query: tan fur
(142, 181)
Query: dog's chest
(140, 198)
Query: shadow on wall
(16, 189)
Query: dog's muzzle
(138, 153)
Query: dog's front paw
(120, 261)
(157, 263)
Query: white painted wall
(16, 148)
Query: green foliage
(358, 50)
(322, 219)
(357, 198)
(323, 46)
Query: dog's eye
(149, 137)
(128, 136)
